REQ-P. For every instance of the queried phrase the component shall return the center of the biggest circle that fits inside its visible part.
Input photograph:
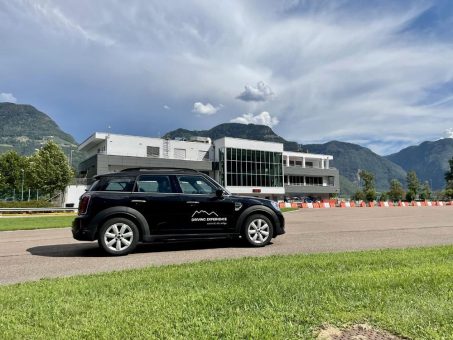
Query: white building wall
(319, 161)
(136, 146)
(121, 145)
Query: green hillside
(25, 129)
(236, 130)
(349, 159)
(429, 160)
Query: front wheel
(118, 236)
(258, 230)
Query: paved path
(36, 254)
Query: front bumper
(81, 229)
(280, 226)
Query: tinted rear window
(124, 184)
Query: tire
(118, 236)
(258, 230)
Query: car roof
(150, 171)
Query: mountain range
(24, 129)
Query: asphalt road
(36, 254)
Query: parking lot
(36, 254)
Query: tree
(384, 197)
(449, 180)
(449, 173)
(425, 191)
(368, 186)
(413, 185)
(396, 191)
(50, 169)
(358, 196)
(12, 168)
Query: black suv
(148, 205)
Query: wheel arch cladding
(123, 212)
(260, 210)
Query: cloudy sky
(377, 73)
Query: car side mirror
(219, 193)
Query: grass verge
(39, 222)
(407, 292)
(288, 209)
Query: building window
(251, 168)
(309, 164)
(296, 180)
(313, 181)
(331, 181)
(222, 167)
(180, 153)
(152, 151)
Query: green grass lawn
(407, 292)
(288, 209)
(39, 222)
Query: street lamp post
(22, 189)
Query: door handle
(192, 202)
(138, 201)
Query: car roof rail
(159, 169)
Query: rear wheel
(258, 230)
(118, 236)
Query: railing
(308, 167)
(309, 185)
(33, 210)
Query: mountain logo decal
(204, 212)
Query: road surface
(36, 254)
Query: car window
(125, 184)
(195, 185)
(154, 183)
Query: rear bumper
(81, 229)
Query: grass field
(288, 209)
(407, 292)
(38, 222)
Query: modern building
(243, 166)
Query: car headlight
(275, 205)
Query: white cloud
(346, 70)
(264, 118)
(7, 97)
(166, 107)
(448, 133)
(205, 109)
(259, 93)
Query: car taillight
(83, 205)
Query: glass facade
(250, 168)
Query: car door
(156, 198)
(202, 212)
